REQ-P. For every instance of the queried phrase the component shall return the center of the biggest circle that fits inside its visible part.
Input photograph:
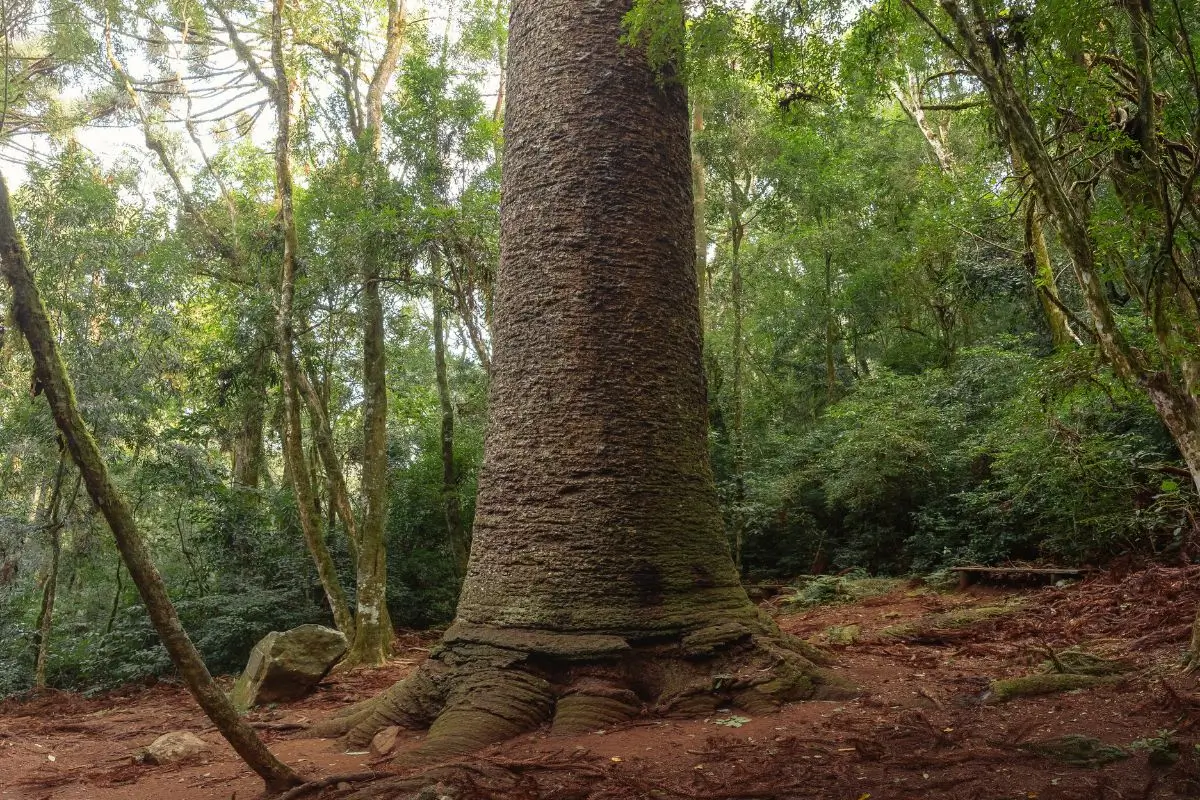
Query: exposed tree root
(332, 780)
(484, 685)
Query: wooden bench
(969, 575)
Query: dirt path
(925, 727)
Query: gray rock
(173, 747)
(288, 665)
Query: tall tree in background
(598, 552)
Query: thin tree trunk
(36, 508)
(339, 504)
(373, 633)
(910, 101)
(248, 457)
(1037, 258)
(737, 430)
(31, 317)
(116, 602)
(456, 534)
(372, 643)
(830, 333)
(1035, 241)
(501, 40)
(46, 614)
(323, 435)
(293, 442)
(699, 212)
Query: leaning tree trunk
(600, 583)
(30, 314)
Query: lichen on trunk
(600, 584)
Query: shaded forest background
(904, 371)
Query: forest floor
(927, 725)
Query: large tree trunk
(30, 314)
(600, 582)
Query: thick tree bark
(600, 582)
(30, 314)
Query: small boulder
(173, 747)
(384, 742)
(288, 665)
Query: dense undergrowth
(1006, 456)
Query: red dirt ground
(923, 727)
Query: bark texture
(30, 314)
(596, 508)
(600, 583)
